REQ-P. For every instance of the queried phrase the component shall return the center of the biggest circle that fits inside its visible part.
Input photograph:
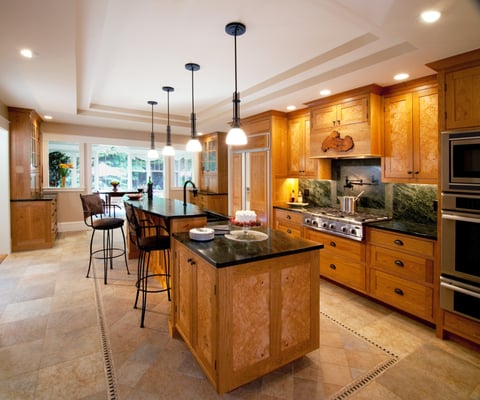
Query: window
(63, 162)
(183, 168)
(127, 165)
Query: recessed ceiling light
(27, 53)
(47, 117)
(291, 108)
(430, 16)
(401, 77)
(325, 92)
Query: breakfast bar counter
(245, 308)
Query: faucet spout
(195, 191)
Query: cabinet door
(183, 285)
(257, 186)
(425, 128)
(462, 98)
(298, 145)
(352, 112)
(398, 139)
(324, 117)
(31, 225)
(236, 188)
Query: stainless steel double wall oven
(460, 223)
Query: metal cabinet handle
(289, 217)
(398, 291)
(398, 242)
(333, 244)
(409, 172)
(416, 172)
(333, 266)
(289, 231)
(398, 263)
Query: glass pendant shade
(168, 150)
(152, 153)
(193, 144)
(236, 136)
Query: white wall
(5, 240)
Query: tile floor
(63, 336)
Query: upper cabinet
(459, 85)
(347, 125)
(214, 163)
(411, 133)
(299, 163)
(25, 153)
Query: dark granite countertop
(223, 252)
(166, 208)
(426, 231)
(41, 197)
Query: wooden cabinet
(351, 117)
(459, 90)
(299, 163)
(210, 201)
(342, 260)
(401, 271)
(25, 153)
(214, 163)
(289, 222)
(411, 135)
(34, 223)
(244, 321)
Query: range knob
(314, 222)
(308, 221)
(332, 227)
(344, 229)
(353, 231)
(324, 225)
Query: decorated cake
(245, 218)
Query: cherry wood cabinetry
(34, 223)
(214, 163)
(25, 153)
(401, 271)
(210, 201)
(356, 113)
(459, 90)
(342, 260)
(289, 222)
(411, 133)
(299, 163)
(243, 321)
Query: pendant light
(152, 153)
(193, 144)
(168, 150)
(236, 135)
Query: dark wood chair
(148, 237)
(99, 217)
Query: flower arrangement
(114, 183)
(63, 168)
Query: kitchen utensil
(347, 203)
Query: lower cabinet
(211, 201)
(289, 222)
(342, 260)
(244, 321)
(401, 271)
(33, 223)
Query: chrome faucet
(195, 191)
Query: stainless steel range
(336, 222)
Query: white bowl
(201, 234)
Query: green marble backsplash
(350, 177)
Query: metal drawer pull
(333, 266)
(289, 231)
(333, 244)
(398, 291)
(398, 263)
(289, 217)
(398, 241)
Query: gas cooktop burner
(337, 222)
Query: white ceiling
(98, 62)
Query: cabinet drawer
(336, 245)
(291, 229)
(461, 326)
(349, 273)
(406, 265)
(288, 216)
(408, 296)
(401, 242)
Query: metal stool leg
(91, 252)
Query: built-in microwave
(460, 156)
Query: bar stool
(148, 237)
(96, 216)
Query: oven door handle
(460, 289)
(456, 217)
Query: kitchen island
(245, 308)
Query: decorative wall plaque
(335, 142)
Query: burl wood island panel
(253, 311)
